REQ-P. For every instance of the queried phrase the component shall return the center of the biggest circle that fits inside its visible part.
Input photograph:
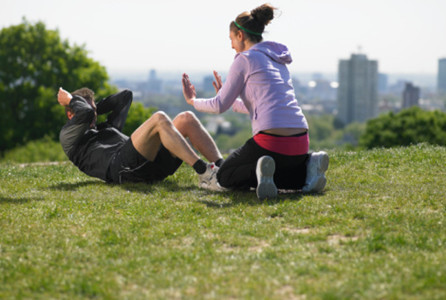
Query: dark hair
(85, 93)
(254, 21)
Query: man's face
(70, 114)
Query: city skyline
(192, 36)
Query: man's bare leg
(160, 129)
(190, 127)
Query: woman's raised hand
(188, 90)
(217, 83)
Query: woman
(277, 154)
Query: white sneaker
(317, 165)
(265, 178)
(208, 180)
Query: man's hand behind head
(63, 97)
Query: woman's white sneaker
(265, 178)
(316, 167)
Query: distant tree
(34, 63)
(321, 127)
(226, 142)
(338, 124)
(352, 133)
(410, 126)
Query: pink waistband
(286, 145)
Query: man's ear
(70, 115)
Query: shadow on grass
(244, 197)
(139, 187)
(18, 200)
(146, 188)
(249, 198)
(72, 186)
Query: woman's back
(268, 91)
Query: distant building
(207, 83)
(383, 80)
(411, 95)
(358, 89)
(397, 87)
(154, 84)
(321, 89)
(317, 76)
(441, 79)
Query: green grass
(378, 232)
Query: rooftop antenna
(359, 49)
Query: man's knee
(185, 121)
(159, 116)
(185, 117)
(160, 119)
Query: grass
(378, 232)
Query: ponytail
(253, 23)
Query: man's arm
(82, 112)
(118, 106)
(83, 115)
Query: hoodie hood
(276, 51)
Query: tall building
(358, 89)
(154, 84)
(441, 79)
(383, 80)
(411, 95)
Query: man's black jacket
(91, 148)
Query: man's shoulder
(70, 134)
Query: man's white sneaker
(316, 167)
(208, 180)
(265, 178)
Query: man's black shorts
(128, 165)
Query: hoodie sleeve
(240, 107)
(231, 89)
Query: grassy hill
(378, 232)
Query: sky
(404, 36)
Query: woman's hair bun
(264, 13)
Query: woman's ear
(240, 35)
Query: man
(154, 151)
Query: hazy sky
(405, 36)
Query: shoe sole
(265, 178)
(212, 188)
(319, 182)
(323, 164)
